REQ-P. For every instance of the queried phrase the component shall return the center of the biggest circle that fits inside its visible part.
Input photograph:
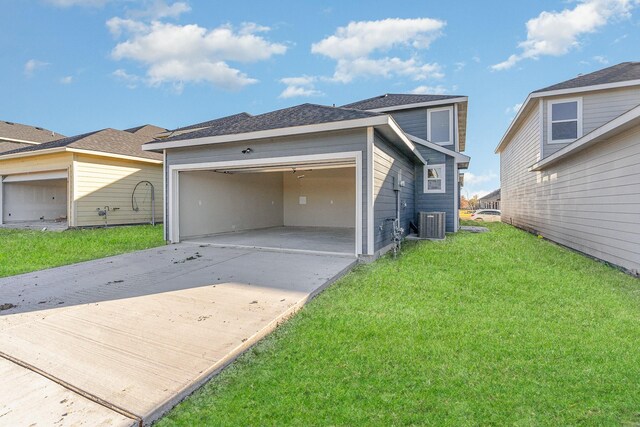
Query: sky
(76, 66)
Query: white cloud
(349, 69)
(514, 109)
(556, 33)
(130, 80)
(177, 54)
(354, 48)
(66, 80)
(32, 65)
(158, 9)
(460, 66)
(601, 59)
(303, 86)
(432, 90)
(82, 3)
(481, 184)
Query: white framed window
(440, 125)
(564, 118)
(434, 179)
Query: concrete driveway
(119, 341)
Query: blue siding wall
(414, 121)
(388, 161)
(437, 202)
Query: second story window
(440, 126)
(565, 120)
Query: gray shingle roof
(107, 141)
(617, 73)
(300, 115)
(395, 99)
(11, 130)
(9, 146)
(216, 122)
(146, 130)
(494, 195)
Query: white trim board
(173, 192)
(459, 157)
(37, 176)
(371, 147)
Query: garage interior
(303, 207)
(35, 198)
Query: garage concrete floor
(125, 338)
(312, 239)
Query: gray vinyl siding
(598, 108)
(325, 143)
(437, 202)
(414, 121)
(388, 161)
(589, 201)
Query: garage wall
(102, 181)
(213, 202)
(29, 201)
(328, 142)
(330, 198)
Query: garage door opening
(297, 207)
(35, 198)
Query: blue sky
(75, 66)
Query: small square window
(434, 179)
(564, 121)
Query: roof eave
(271, 133)
(618, 125)
(32, 153)
(79, 151)
(417, 105)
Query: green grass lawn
(499, 328)
(22, 251)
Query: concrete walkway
(125, 338)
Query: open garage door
(302, 206)
(35, 197)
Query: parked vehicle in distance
(490, 215)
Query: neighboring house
(570, 165)
(318, 166)
(78, 179)
(16, 135)
(490, 201)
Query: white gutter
(4, 138)
(611, 128)
(556, 92)
(76, 150)
(32, 153)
